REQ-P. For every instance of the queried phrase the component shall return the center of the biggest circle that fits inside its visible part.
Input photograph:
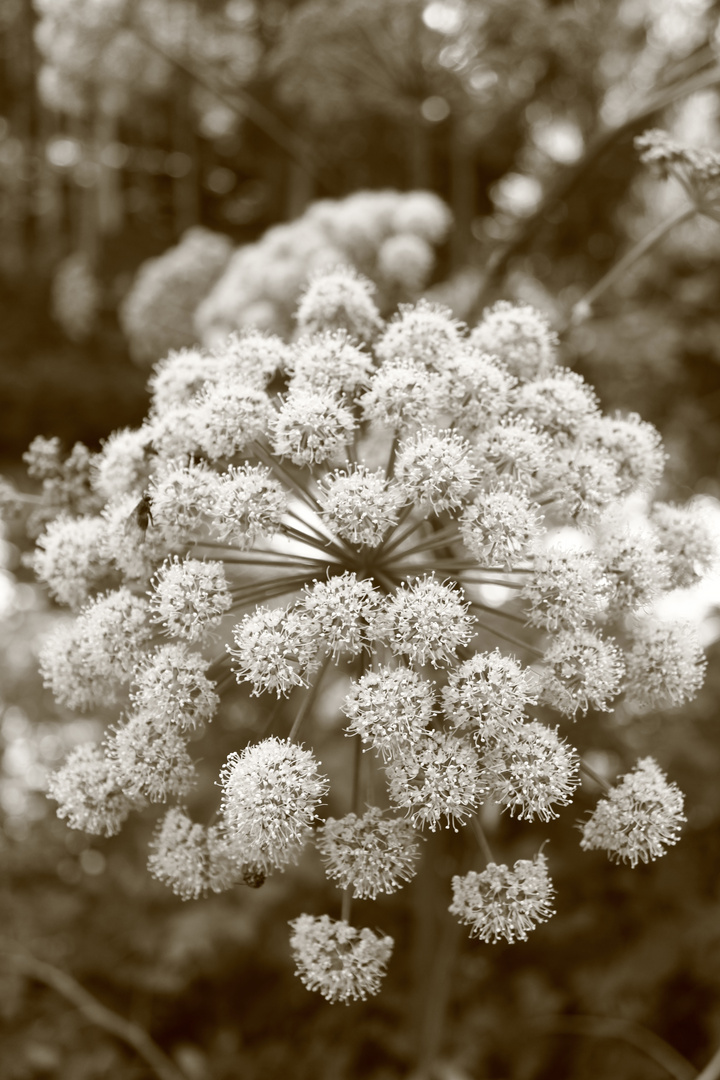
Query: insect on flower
(141, 514)
(253, 877)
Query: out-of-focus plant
(698, 173)
(111, 52)
(158, 312)
(200, 291)
(76, 296)
(391, 237)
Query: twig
(249, 107)
(583, 308)
(482, 839)
(599, 780)
(126, 1030)
(574, 174)
(712, 1069)
(647, 1042)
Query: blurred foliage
(521, 117)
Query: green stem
(398, 535)
(217, 662)
(329, 542)
(386, 581)
(314, 529)
(390, 467)
(575, 174)
(473, 568)
(327, 548)
(256, 556)
(285, 560)
(492, 581)
(437, 999)
(582, 309)
(357, 769)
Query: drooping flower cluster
(447, 520)
(696, 168)
(504, 903)
(639, 818)
(343, 963)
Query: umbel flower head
(697, 169)
(436, 514)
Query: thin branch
(439, 539)
(467, 569)
(249, 108)
(243, 598)
(358, 758)
(500, 612)
(583, 307)
(328, 539)
(302, 537)
(287, 477)
(512, 640)
(327, 547)
(126, 1030)
(390, 467)
(647, 1042)
(258, 557)
(399, 534)
(574, 174)
(712, 1069)
(482, 839)
(599, 780)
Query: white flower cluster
(445, 515)
(157, 311)
(75, 296)
(388, 236)
(696, 168)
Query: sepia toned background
(187, 133)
